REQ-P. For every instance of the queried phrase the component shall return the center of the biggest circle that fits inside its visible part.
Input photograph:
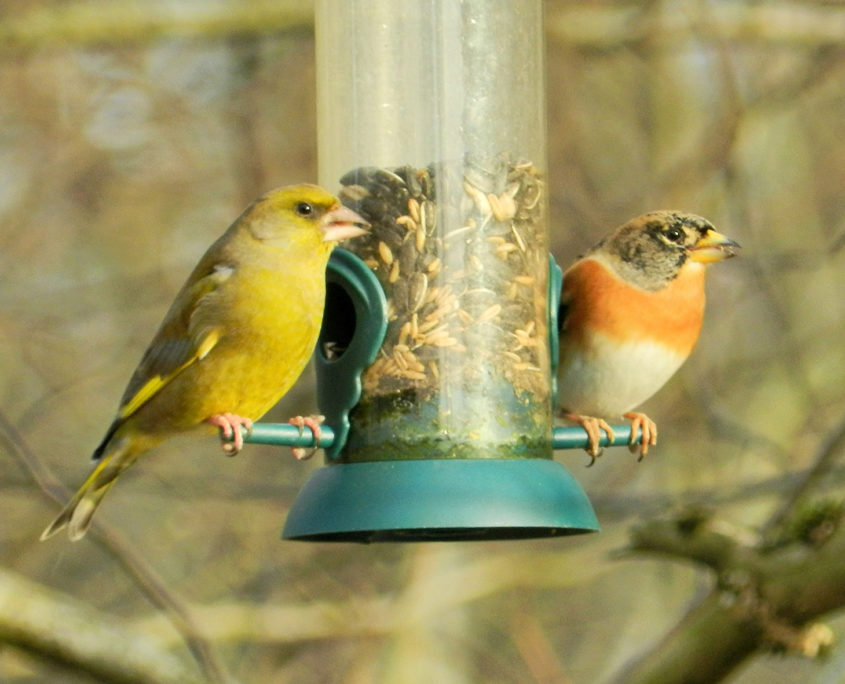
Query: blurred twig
(426, 600)
(619, 506)
(135, 565)
(830, 449)
(536, 650)
(71, 632)
(598, 27)
(84, 22)
(603, 26)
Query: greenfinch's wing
(188, 333)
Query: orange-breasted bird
(236, 338)
(631, 312)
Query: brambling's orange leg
(649, 428)
(313, 422)
(231, 425)
(592, 426)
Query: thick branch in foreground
(764, 598)
(60, 628)
(706, 645)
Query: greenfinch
(236, 338)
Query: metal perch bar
(576, 437)
(283, 434)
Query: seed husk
(385, 253)
(417, 288)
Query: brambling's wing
(563, 311)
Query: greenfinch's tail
(77, 515)
(79, 511)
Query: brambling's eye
(304, 209)
(675, 234)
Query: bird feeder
(433, 365)
(436, 361)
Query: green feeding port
(436, 362)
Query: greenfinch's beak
(713, 247)
(341, 224)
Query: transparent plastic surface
(431, 121)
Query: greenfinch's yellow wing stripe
(152, 386)
(155, 383)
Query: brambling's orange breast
(601, 301)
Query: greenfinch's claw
(231, 432)
(313, 422)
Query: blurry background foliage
(132, 133)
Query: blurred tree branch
(136, 567)
(822, 466)
(86, 22)
(769, 590)
(445, 589)
(60, 628)
(604, 27)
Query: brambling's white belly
(612, 378)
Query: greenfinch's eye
(675, 234)
(304, 209)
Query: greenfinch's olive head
(304, 214)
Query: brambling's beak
(342, 223)
(713, 247)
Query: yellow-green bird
(236, 338)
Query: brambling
(630, 314)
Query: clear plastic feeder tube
(431, 119)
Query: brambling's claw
(313, 422)
(592, 426)
(230, 429)
(593, 456)
(640, 421)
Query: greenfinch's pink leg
(230, 425)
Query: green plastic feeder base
(440, 500)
